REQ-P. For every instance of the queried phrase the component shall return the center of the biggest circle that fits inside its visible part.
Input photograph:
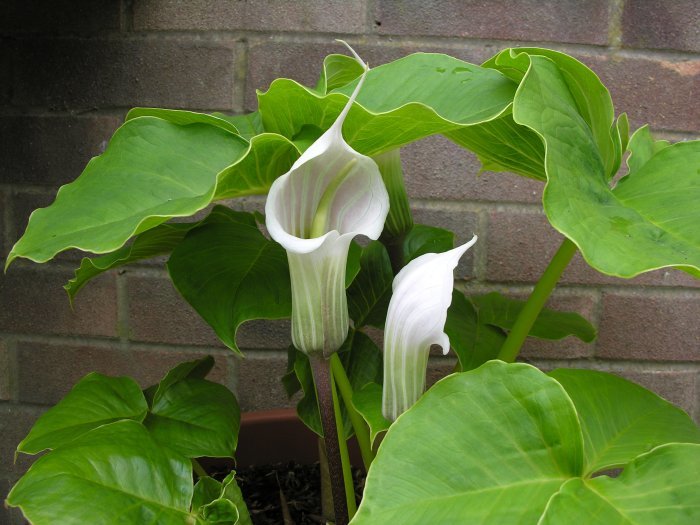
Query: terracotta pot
(276, 436)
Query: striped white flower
(422, 292)
(331, 194)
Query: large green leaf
(621, 420)
(230, 273)
(498, 310)
(196, 418)
(183, 117)
(424, 239)
(658, 487)
(157, 241)
(94, 401)
(405, 100)
(113, 474)
(152, 170)
(487, 446)
(502, 445)
(338, 71)
(649, 220)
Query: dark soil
(273, 491)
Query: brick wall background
(70, 70)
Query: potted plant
(495, 442)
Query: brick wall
(70, 70)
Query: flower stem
(344, 455)
(540, 294)
(361, 430)
(198, 469)
(323, 381)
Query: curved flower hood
(331, 194)
(422, 292)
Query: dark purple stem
(322, 378)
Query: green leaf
(215, 501)
(368, 402)
(338, 71)
(424, 239)
(658, 487)
(621, 420)
(221, 511)
(582, 86)
(473, 341)
(503, 444)
(487, 446)
(232, 492)
(115, 473)
(400, 102)
(498, 310)
(196, 369)
(94, 401)
(206, 490)
(152, 170)
(649, 220)
(642, 148)
(248, 125)
(183, 117)
(157, 241)
(196, 418)
(230, 273)
(369, 294)
(269, 156)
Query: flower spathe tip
(422, 293)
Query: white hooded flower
(331, 194)
(422, 292)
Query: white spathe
(331, 194)
(422, 292)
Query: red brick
(462, 224)
(59, 16)
(264, 334)
(570, 347)
(335, 16)
(47, 372)
(52, 151)
(520, 245)
(660, 92)
(88, 74)
(662, 25)
(258, 385)
(647, 327)
(33, 301)
(436, 168)
(159, 314)
(527, 20)
(15, 422)
(677, 386)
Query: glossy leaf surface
(502, 444)
(487, 446)
(620, 419)
(101, 477)
(94, 401)
(196, 418)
